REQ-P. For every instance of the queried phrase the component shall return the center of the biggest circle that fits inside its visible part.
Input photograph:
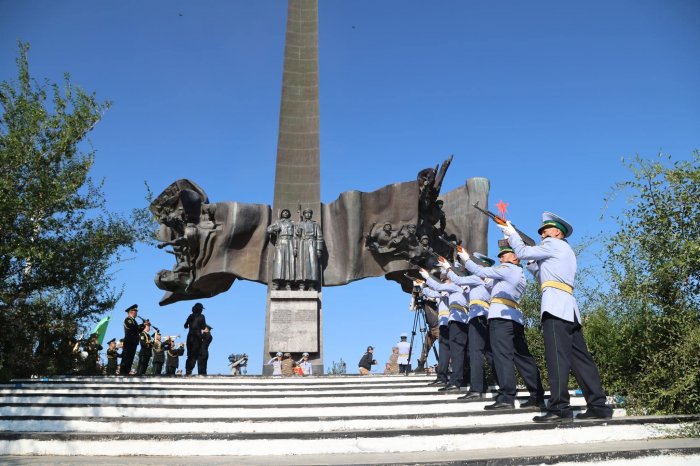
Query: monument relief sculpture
(283, 236)
(310, 252)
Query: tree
(647, 325)
(57, 240)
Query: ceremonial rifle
(501, 221)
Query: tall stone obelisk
(293, 317)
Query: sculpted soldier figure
(282, 235)
(310, 250)
(382, 241)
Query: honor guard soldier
(195, 323)
(158, 354)
(204, 350)
(305, 364)
(404, 348)
(287, 365)
(276, 364)
(131, 339)
(112, 355)
(553, 263)
(507, 329)
(478, 339)
(146, 348)
(457, 327)
(444, 337)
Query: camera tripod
(420, 324)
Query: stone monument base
(294, 326)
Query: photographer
(195, 323)
(365, 364)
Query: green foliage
(337, 368)
(57, 241)
(645, 330)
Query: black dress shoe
(532, 403)
(449, 388)
(472, 396)
(592, 415)
(552, 417)
(437, 382)
(500, 405)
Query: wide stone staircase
(311, 420)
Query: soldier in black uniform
(195, 323)
(146, 348)
(93, 348)
(173, 357)
(204, 350)
(112, 355)
(131, 339)
(159, 349)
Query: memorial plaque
(293, 325)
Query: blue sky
(543, 98)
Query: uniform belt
(481, 303)
(458, 307)
(446, 312)
(558, 285)
(403, 355)
(507, 302)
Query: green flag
(101, 328)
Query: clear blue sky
(543, 98)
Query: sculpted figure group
(298, 251)
(193, 229)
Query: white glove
(507, 229)
(423, 273)
(463, 255)
(487, 280)
(443, 263)
(419, 283)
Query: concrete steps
(251, 417)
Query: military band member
(195, 323)
(92, 348)
(507, 329)
(131, 339)
(478, 340)
(444, 339)
(112, 355)
(458, 301)
(553, 263)
(146, 351)
(172, 361)
(404, 348)
(204, 350)
(305, 364)
(159, 349)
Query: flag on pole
(101, 328)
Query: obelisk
(293, 317)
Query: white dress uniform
(458, 302)
(444, 341)
(553, 263)
(507, 333)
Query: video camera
(239, 360)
